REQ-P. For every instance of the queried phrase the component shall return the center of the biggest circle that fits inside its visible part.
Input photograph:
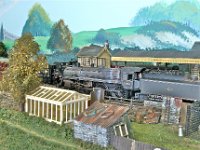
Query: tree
(102, 35)
(2, 33)
(75, 50)
(38, 22)
(61, 38)
(3, 50)
(24, 65)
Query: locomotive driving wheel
(120, 92)
(57, 79)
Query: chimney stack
(107, 45)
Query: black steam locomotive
(122, 82)
(117, 82)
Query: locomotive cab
(130, 79)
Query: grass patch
(83, 38)
(42, 41)
(165, 136)
(20, 131)
(15, 139)
(125, 31)
(9, 43)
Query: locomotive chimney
(106, 45)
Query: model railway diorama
(81, 78)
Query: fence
(122, 143)
(193, 121)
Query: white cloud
(139, 40)
(172, 38)
(191, 38)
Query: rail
(122, 100)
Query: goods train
(123, 82)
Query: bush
(69, 133)
(3, 50)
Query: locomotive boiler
(117, 82)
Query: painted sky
(80, 15)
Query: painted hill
(162, 35)
(156, 35)
(182, 11)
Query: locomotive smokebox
(97, 94)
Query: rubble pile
(145, 114)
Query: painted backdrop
(138, 24)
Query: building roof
(92, 50)
(101, 114)
(196, 46)
(53, 95)
(158, 54)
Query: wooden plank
(38, 108)
(34, 91)
(43, 100)
(61, 113)
(47, 111)
(26, 108)
(58, 122)
(34, 108)
(86, 104)
(31, 109)
(50, 95)
(75, 110)
(75, 101)
(57, 95)
(78, 107)
(61, 93)
(58, 89)
(34, 94)
(42, 109)
(66, 112)
(82, 105)
(120, 130)
(66, 97)
(42, 93)
(70, 111)
(115, 130)
(53, 95)
(51, 111)
(126, 129)
(47, 93)
(37, 95)
(61, 98)
(56, 112)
